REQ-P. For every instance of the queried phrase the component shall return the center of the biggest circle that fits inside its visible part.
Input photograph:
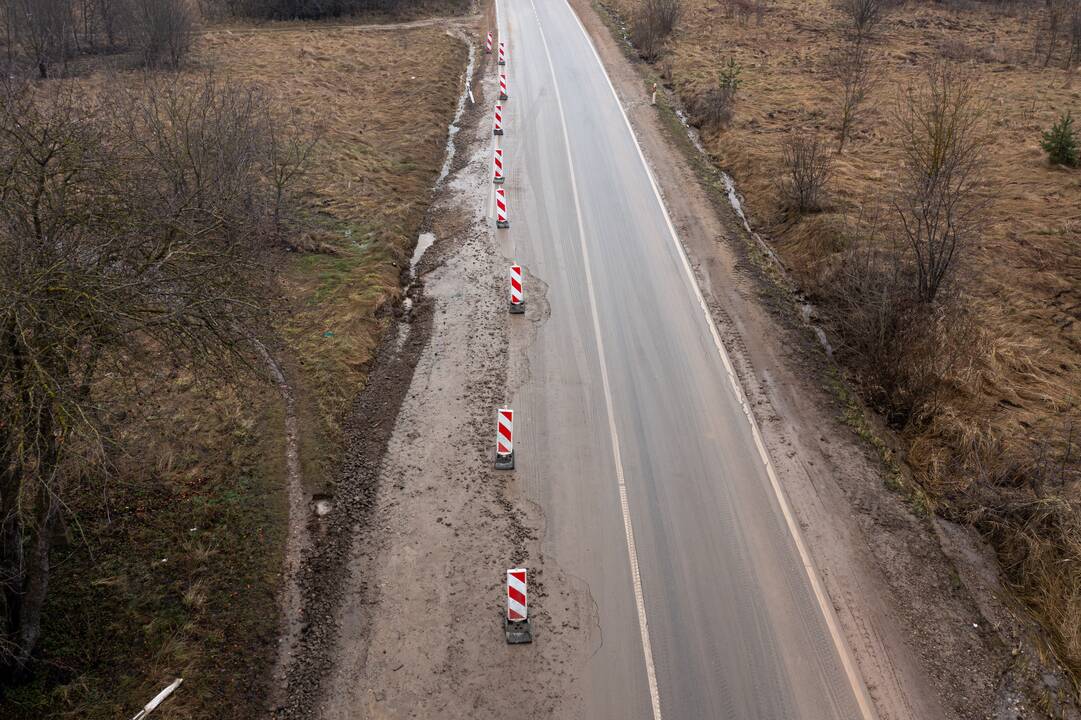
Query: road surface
(630, 432)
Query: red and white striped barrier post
(504, 442)
(517, 297)
(516, 625)
(501, 209)
(502, 86)
(488, 44)
(502, 53)
(497, 162)
(498, 128)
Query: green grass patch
(169, 572)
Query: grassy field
(170, 567)
(380, 101)
(1011, 410)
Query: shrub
(853, 66)
(652, 24)
(1060, 142)
(806, 167)
(714, 107)
(742, 10)
(944, 141)
(906, 354)
(163, 30)
(862, 15)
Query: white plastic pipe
(158, 700)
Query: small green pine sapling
(1060, 142)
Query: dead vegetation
(52, 35)
(945, 259)
(368, 187)
(167, 550)
(805, 169)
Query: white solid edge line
(632, 553)
(859, 689)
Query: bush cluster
(45, 35)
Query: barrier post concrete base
(518, 633)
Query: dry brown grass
(173, 563)
(1019, 387)
(381, 102)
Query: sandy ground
(433, 647)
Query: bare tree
(114, 17)
(132, 232)
(291, 151)
(44, 30)
(853, 65)
(862, 16)
(652, 24)
(1075, 34)
(944, 141)
(742, 10)
(1049, 31)
(163, 30)
(805, 169)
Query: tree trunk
(35, 579)
(27, 531)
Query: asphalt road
(630, 433)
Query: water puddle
(322, 504)
(424, 241)
(807, 311)
(452, 131)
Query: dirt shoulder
(928, 627)
(403, 617)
